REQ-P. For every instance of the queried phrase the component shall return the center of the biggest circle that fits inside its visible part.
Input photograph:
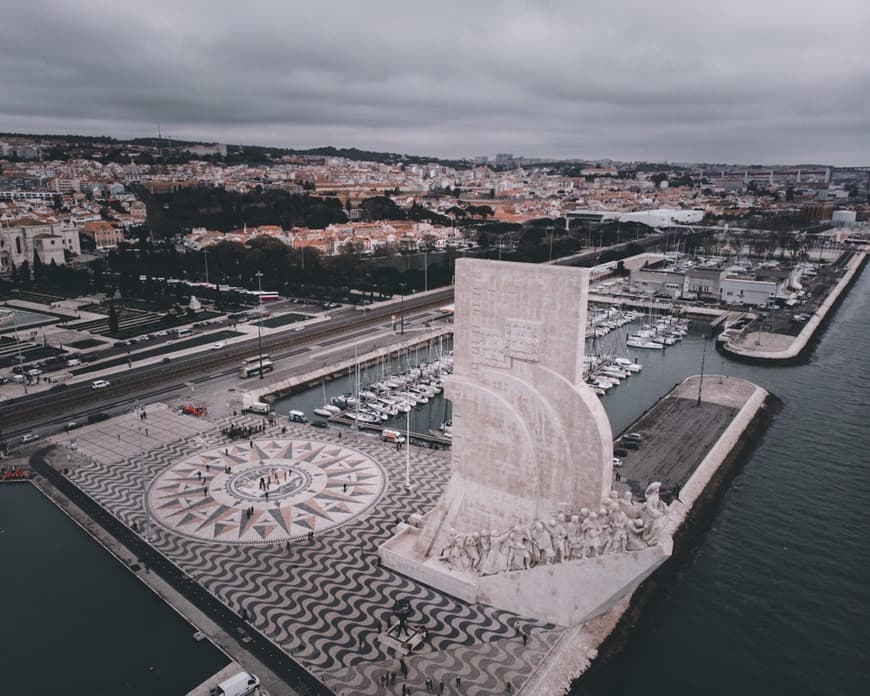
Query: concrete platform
(678, 433)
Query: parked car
(100, 384)
(29, 437)
(72, 425)
(98, 417)
(393, 436)
(298, 417)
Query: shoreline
(586, 650)
(804, 343)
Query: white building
(19, 243)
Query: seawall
(586, 650)
(802, 344)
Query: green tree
(113, 317)
(38, 270)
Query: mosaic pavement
(269, 490)
(323, 600)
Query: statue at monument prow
(621, 525)
(529, 437)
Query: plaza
(322, 599)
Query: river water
(75, 621)
(776, 597)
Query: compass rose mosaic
(276, 490)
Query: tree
(38, 271)
(113, 317)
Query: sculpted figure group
(620, 525)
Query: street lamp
(18, 345)
(205, 256)
(402, 308)
(408, 439)
(259, 275)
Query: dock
(678, 432)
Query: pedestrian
(441, 687)
(204, 492)
(146, 432)
(344, 488)
(458, 682)
(428, 684)
(525, 638)
(251, 443)
(509, 688)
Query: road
(51, 409)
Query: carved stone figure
(560, 538)
(618, 531)
(592, 533)
(654, 513)
(575, 538)
(452, 553)
(472, 551)
(519, 556)
(543, 543)
(496, 560)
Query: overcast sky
(767, 81)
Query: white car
(100, 384)
(218, 345)
(617, 462)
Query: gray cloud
(748, 80)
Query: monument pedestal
(566, 594)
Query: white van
(241, 684)
(260, 408)
(184, 332)
(298, 417)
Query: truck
(241, 684)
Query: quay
(766, 347)
(694, 450)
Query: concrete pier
(698, 460)
(766, 347)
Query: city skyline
(773, 84)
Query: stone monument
(528, 511)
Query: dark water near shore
(776, 600)
(74, 621)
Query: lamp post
(402, 309)
(701, 380)
(205, 256)
(20, 359)
(259, 275)
(408, 439)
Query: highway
(74, 402)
